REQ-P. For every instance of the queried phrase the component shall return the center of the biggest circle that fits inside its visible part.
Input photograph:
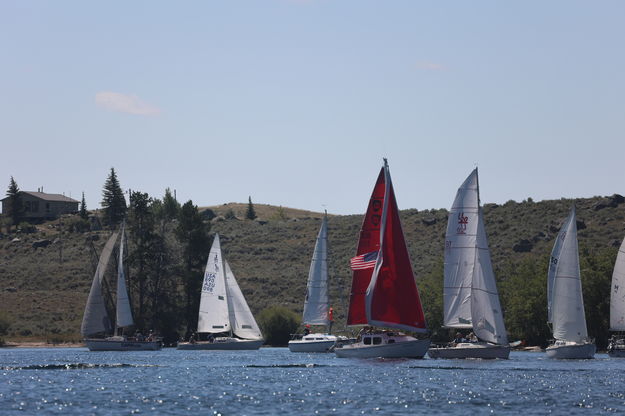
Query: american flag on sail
(364, 261)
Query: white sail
(316, 303)
(551, 274)
(123, 315)
(617, 295)
(213, 316)
(567, 303)
(243, 323)
(95, 318)
(486, 312)
(460, 254)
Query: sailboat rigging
(316, 304)
(565, 302)
(96, 320)
(384, 292)
(223, 310)
(470, 292)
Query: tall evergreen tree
(192, 233)
(83, 208)
(113, 200)
(15, 208)
(171, 207)
(251, 213)
(141, 227)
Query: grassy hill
(43, 290)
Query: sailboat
(565, 302)
(223, 310)
(616, 346)
(96, 320)
(470, 292)
(316, 304)
(384, 292)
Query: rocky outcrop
(429, 221)
(41, 243)
(523, 246)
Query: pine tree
(83, 208)
(113, 200)
(171, 207)
(251, 213)
(141, 227)
(192, 233)
(15, 209)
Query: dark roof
(49, 197)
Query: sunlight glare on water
(274, 380)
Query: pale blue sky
(295, 102)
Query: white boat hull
(571, 351)
(311, 346)
(316, 343)
(409, 348)
(223, 344)
(95, 344)
(483, 350)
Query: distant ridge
(263, 211)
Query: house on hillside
(39, 205)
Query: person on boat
(330, 319)
(458, 338)
(139, 336)
(151, 336)
(306, 329)
(472, 337)
(211, 338)
(192, 338)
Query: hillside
(44, 289)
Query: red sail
(369, 241)
(392, 298)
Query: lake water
(276, 381)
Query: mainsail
(222, 305)
(316, 303)
(460, 254)
(553, 267)
(242, 321)
(123, 313)
(565, 300)
(470, 292)
(95, 318)
(617, 295)
(213, 315)
(368, 242)
(392, 298)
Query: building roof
(48, 197)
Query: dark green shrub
(208, 214)
(5, 323)
(277, 324)
(78, 225)
(26, 228)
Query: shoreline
(42, 344)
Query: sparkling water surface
(276, 381)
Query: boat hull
(226, 344)
(122, 345)
(311, 346)
(481, 350)
(414, 348)
(617, 353)
(616, 348)
(571, 351)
